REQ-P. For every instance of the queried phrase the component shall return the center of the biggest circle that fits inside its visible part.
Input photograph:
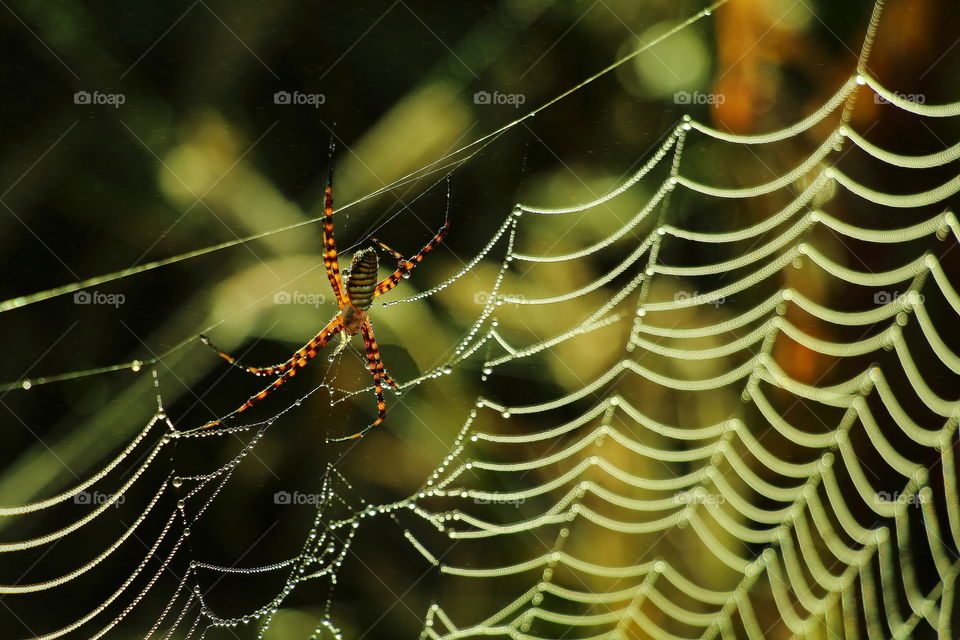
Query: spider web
(713, 473)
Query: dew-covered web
(701, 484)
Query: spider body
(354, 295)
(362, 281)
(361, 287)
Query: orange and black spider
(354, 301)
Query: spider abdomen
(363, 279)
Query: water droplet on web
(177, 482)
(26, 384)
(136, 365)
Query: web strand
(774, 507)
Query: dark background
(199, 154)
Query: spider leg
(387, 380)
(406, 265)
(257, 371)
(299, 361)
(371, 343)
(330, 262)
(396, 254)
(375, 364)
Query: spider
(354, 300)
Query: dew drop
(177, 482)
(26, 384)
(136, 365)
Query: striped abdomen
(363, 279)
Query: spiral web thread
(787, 535)
(790, 536)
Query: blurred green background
(200, 153)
